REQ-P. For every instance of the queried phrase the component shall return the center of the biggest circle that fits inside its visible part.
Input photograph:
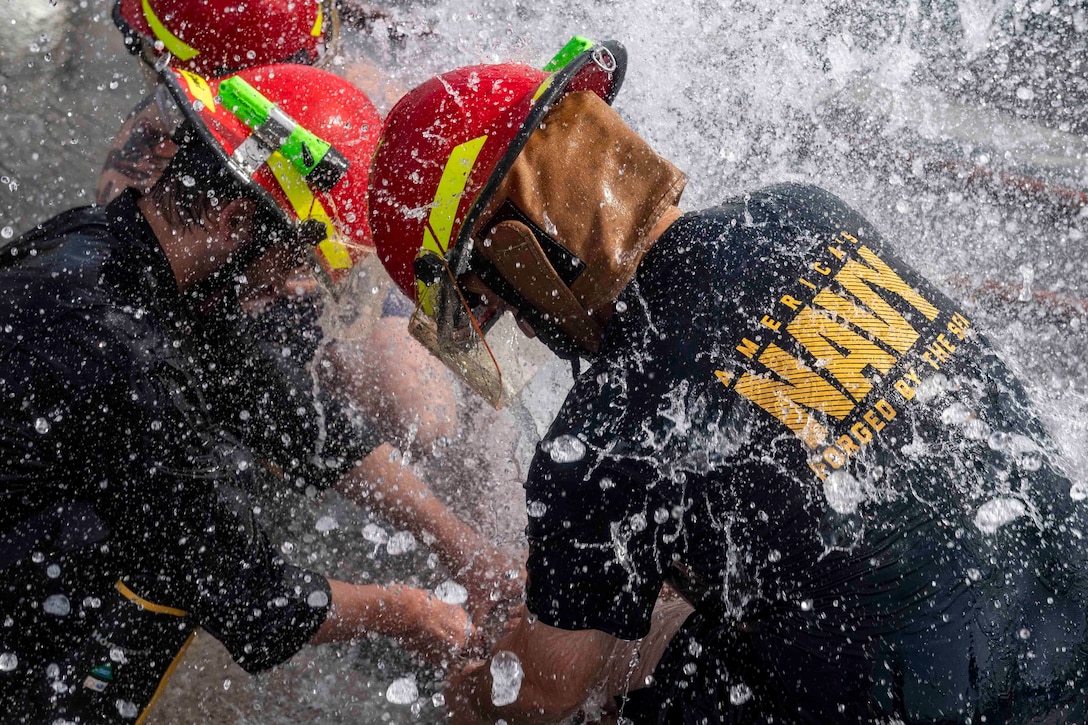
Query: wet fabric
(264, 389)
(114, 471)
(819, 450)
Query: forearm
(394, 491)
(471, 702)
(561, 669)
(394, 380)
(354, 611)
(411, 616)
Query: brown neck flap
(592, 185)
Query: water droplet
(7, 233)
(8, 661)
(37, 557)
(438, 699)
(375, 534)
(566, 449)
(994, 514)
(52, 571)
(690, 668)
(621, 306)
(226, 684)
(1078, 491)
(1024, 633)
(1030, 460)
(127, 709)
(661, 516)
(41, 425)
(976, 429)
(451, 592)
(774, 555)
(843, 492)
(118, 655)
(401, 543)
(806, 605)
(607, 483)
(506, 676)
(638, 522)
(318, 599)
(740, 694)
(974, 574)
(956, 414)
(188, 181)
(536, 509)
(931, 387)
(326, 524)
(402, 691)
(57, 605)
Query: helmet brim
(128, 16)
(587, 71)
(195, 123)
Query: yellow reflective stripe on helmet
(306, 206)
(543, 87)
(173, 43)
(319, 21)
(199, 89)
(425, 296)
(447, 197)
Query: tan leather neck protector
(596, 188)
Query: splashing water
(402, 691)
(738, 94)
(451, 592)
(565, 449)
(998, 512)
(506, 677)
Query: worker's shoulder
(65, 291)
(802, 208)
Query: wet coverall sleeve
(129, 435)
(601, 530)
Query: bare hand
(459, 707)
(430, 627)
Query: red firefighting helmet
(446, 147)
(215, 37)
(303, 139)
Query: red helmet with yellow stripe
(303, 139)
(214, 37)
(447, 145)
(445, 150)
